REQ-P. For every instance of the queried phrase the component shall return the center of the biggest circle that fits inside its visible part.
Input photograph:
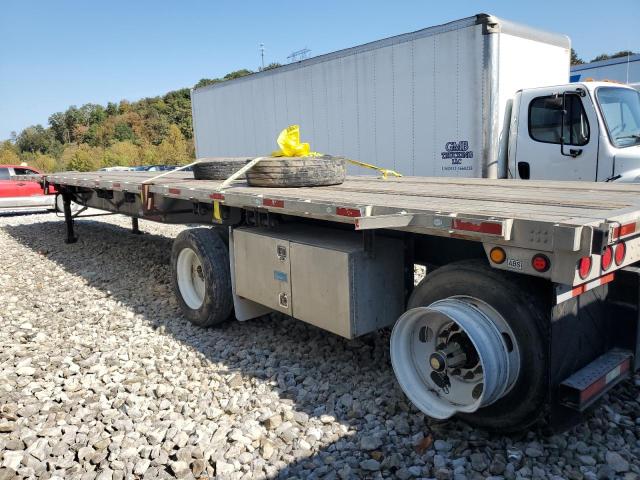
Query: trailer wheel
(200, 276)
(472, 344)
(219, 169)
(297, 172)
(59, 205)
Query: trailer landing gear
(68, 218)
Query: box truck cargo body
(432, 102)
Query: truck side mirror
(573, 152)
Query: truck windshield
(621, 111)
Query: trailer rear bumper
(587, 385)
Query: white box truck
(477, 97)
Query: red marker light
(584, 267)
(540, 262)
(607, 258)
(620, 253)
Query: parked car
(17, 193)
(116, 169)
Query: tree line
(150, 131)
(576, 60)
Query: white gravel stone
(102, 377)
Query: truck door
(8, 188)
(27, 186)
(557, 136)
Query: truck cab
(581, 131)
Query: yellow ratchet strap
(383, 171)
(216, 211)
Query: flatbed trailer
(529, 308)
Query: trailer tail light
(584, 267)
(620, 253)
(497, 255)
(607, 258)
(540, 263)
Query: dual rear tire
(494, 304)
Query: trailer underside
(563, 220)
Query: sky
(54, 54)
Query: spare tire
(297, 172)
(219, 168)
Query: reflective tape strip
(174, 191)
(348, 212)
(270, 202)
(566, 292)
(624, 230)
(217, 196)
(486, 227)
(605, 380)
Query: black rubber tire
(59, 205)
(214, 257)
(512, 296)
(297, 172)
(219, 169)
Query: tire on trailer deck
(219, 169)
(297, 172)
(510, 295)
(201, 277)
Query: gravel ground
(101, 377)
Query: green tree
(237, 74)
(575, 59)
(81, 157)
(8, 154)
(174, 149)
(112, 109)
(122, 154)
(600, 57)
(178, 110)
(43, 162)
(271, 66)
(623, 53)
(123, 131)
(203, 82)
(59, 127)
(35, 139)
(148, 154)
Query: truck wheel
(59, 205)
(472, 344)
(297, 172)
(218, 169)
(200, 276)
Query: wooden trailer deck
(576, 203)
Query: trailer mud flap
(582, 330)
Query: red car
(15, 193)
